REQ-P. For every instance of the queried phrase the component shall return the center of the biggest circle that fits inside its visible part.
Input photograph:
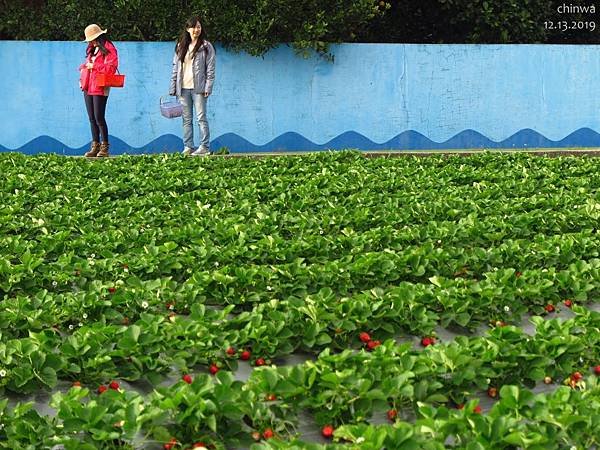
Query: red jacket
(103, 64)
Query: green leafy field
(132, 290)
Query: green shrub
(254, 26)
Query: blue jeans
(191, 101)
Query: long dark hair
(100, 40)
(185, 39)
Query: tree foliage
(481, 22)
(255, 26)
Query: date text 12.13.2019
(566, 25)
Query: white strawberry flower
(70, 327)
(93, 255)
(269, 288)
(54, 283)
(2, 373)
(507, 308)
(85, 316)
(80, 324)
(144, 305)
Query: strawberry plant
(360, 265)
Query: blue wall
(372, 96)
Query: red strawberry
(169, 445)
(568, 303)
(364, 337)
(125, 321)
(125, 266)
(245, 356)
(549, 308)
(492, 392)
(77, 273)
(518, 274)
(170, 306)
(271, 397)
(576, 376)
(460, 406)
(259, 362)
(477, 409)
(427, 341)
(187, 378)
(327, 431)
(102, 389)
(112, 290)
(392, 414)
(213, 369)
(114, 385)
(230, 351)
(371, 345)
(597, 370)
(268, 433)
(76, 383)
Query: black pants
(96, 107)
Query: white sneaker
(187, 151)
(201, 152)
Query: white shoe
(201, 152)
(187, 151)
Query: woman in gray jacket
(192, 79)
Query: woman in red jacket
(101, 57)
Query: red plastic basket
(110, 80)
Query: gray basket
(170, 108)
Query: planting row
(153, 346)
(409, 263)
(220, 413)
(313, 321)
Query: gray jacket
(203, 68)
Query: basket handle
(161, 99)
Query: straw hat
(92, 32)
